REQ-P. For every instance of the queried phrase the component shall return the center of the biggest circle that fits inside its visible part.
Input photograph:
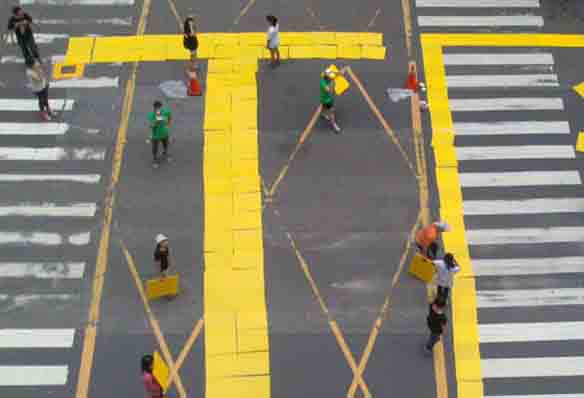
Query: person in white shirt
(39, 84)
(273, 39)
(445, 270)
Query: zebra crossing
(51, 191)
(521, 191)
(479, 16)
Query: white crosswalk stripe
(512, 128)
(515, 152)
(478, 4)
(524, 332)
(36, 338)
(29, 105)
(474, 21)
(532, 367)
(527, 266)
(517, 179)
(53, 375)
(506, 104)
(49, 210)
(48, 154)
(534, 80)
(33, 128)
(498, 59)
(45, 270)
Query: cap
(330, 73)
(160, 238)
(443, 226)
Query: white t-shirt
(444, 276)
(274, 36)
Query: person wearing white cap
(327, 98)
(161, 253)
(427, 238)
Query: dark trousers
(155, 144)
(30, 51)
(433, 339)
(43, 97)
(431, 251)
(443, 292)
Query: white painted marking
(528, 266)
(81, 178)
(532, 80)
(523, 206)
(14, 59)
(477, 4)
(22, 301)
(519, 179)
(99, 82)
(499, 59)
(70, 270)
(37, 338)
(33, 105)
(12, 376)
(86, 21)
(506, 104)
(46, 38)
(515, 152)
(528, 332)
(54, 153)
(512, 128)
(532, 367)
(33, 128)
(466, 20)
(529, 298)
(49, 210)
(511, 236)
(43, 238)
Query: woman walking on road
(151, 385)
(273, 40)
(190, 40)
(39, 84)
(20, 25)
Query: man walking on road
(20, 24)
(427, 238)
(160, 120)
(436, 322)
(327, 99)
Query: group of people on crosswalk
(427, 242)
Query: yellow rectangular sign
(162, 287)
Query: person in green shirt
(160, 120)
(327, 99)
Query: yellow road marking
(185, 350)
(90, 333)
(407, 14)
(153, 321)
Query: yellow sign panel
(160, 371)
(422, 268)
(341, 84)
(162, 287)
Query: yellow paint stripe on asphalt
(464, 312)
(236, 337)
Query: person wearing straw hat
(427, 238)
(162, 254)
(327, 98)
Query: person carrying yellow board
(327, 97)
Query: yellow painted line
(90, 332)
(580, 142)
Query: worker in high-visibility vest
(427, 238)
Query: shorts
(328, 106)
(191, 43)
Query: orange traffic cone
(412, 81)
(194, 87)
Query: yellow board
(160, 371)
(76, 72)
(422, 268)
(580, 142)
(341, 84)
(579, 89)
(162, 287)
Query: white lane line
(14, 59)
(43, 238)
(512, 128)
(37, 338)
(523, 206)
(515, 152)
(529, 298)
(520, 179)
(46, 38)
(528, 266)
(33, 128)
(48, 154)
(500, 20)
(511, 236)
(530, 80)
(69, 270)
(17, 376)
(81, 178)
(86, 21)
(98, 82)
(498, 59)
(478, 4)
(506, 104)
(49, 210)
(33, 105)
(532, 367)
(528, 332)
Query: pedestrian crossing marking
(36, 338)
(13, 376)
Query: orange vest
(427, 235)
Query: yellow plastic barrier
(422, 268)
(162, 287)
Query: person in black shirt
(190, 41)
(161, 253)
(436, 322)
(20, 24)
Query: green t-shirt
(159, 127)
(326, 97)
